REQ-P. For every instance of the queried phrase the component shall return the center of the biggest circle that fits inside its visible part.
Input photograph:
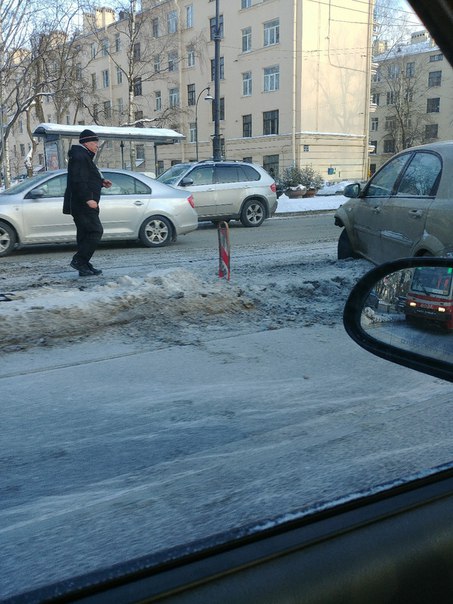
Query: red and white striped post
(223, 232)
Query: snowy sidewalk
(309, 204)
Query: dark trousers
(89, 234)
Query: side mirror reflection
(403, 311)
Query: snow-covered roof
(52, 131)
(406, 50)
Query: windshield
(435, 281)
(173, 174)
(176, 371)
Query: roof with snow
(51, 131)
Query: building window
(270, 122)
(136, 52)
(375, 98)
(78, 72)
(389, 146)
(434, 58)
(117, 42)
(393, 71)
(246, 3)
(173, 96)
(390, 124)
(140, 152)
(373, 144)
(93, 50)
(374, 124)
(95, 113)
(391, 98)
(271, 78)
(433, 105)
(138, 87)
(189, 16)
(119, 75)
(105, 78)
(120, 106)
(156, 63)
(247, 83)
(107, 110)
(22, 150)
(271, 164)
(247, 125)
(221, 69)
(192, 132)
(431, 131)
(410, 69)
(105, 45)
(272, 32)
(190, 57)
(247, 39)
(157, 100)
(212, 27)
(221, 109)
(191, 94)
(434, 79)
(172, 22)
(155, 27)
(172, 60)
(94, 84)
(248, 159)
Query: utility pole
(216, 147)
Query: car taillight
(273, 187)
(191, 201)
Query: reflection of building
(294, 86)
(411, 92)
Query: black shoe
(85, 271)
(73, 264)
(94, 271)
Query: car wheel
(344, 249)
(156, 231)
(8, 239)
(253, 213)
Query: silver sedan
(135, 207)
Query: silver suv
(226, 190)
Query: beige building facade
(294, 84)
(411, 90)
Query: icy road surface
(161, 405)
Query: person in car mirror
(81, 200)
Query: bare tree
(151, 50)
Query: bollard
(223, 232)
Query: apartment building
(294, 82)
(412, 96)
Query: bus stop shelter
(53, 134)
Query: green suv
(226, 190)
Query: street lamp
(208, 97)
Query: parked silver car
(226, 190)
(135, 207)
(405, 209)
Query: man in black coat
(81, 200)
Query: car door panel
(407, 210)
(371, 212)
(42, 216)
(123, 206)
(203, 190)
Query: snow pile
(163, 297)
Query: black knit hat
(87, 136)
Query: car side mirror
(186, 182)
(36, 193)
(353, 190)
(402, 311)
